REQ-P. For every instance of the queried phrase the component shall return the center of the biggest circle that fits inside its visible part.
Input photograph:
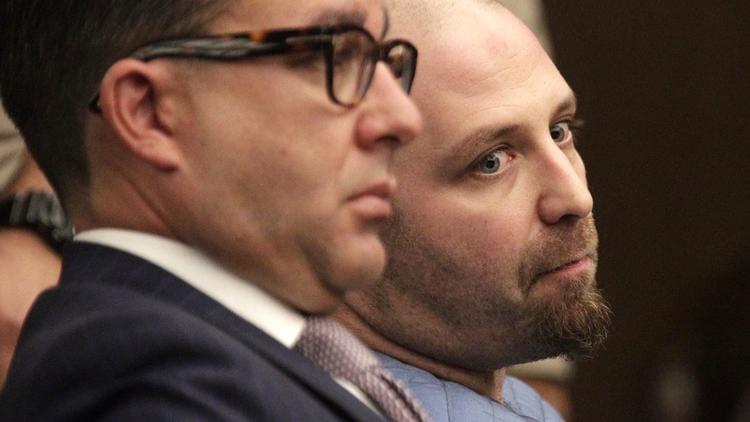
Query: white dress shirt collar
(203, 273)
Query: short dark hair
(54, 54)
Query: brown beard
(575, 326)
(472, 299)
(577, 323)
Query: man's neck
(488, 384)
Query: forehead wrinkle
(516, 84)
(469, 91)
(493, 78)
(482, 59)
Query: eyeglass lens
(400, 59)
(354, 58)
(352, 66)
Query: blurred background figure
(11, 151)
(721, 367)
(30, 226)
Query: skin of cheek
(263, 155)
(478, 251)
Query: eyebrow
(331, 16)
(487, 135)
(569, 105)
(355, 16)
(483, 137)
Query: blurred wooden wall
(664, 88)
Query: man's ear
(128, 96)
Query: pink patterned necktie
(330, 346)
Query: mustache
(559, 245)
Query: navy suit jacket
(122, 340)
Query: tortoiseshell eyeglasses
(350, 54)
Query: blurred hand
(29, 266)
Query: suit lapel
(295, 365)
(86, 262)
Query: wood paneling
(664, 88)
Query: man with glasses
(225, 164)
(493, 247)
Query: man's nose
(564, 191)
(389, 115)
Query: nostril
(569, 219)
(390, 139)
(389, 143)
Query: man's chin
(359, 263)
(574, 322)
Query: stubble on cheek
(456, 277)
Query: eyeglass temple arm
(218, 49)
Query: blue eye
(560, 132)
(493, 162)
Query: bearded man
(493, 245)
